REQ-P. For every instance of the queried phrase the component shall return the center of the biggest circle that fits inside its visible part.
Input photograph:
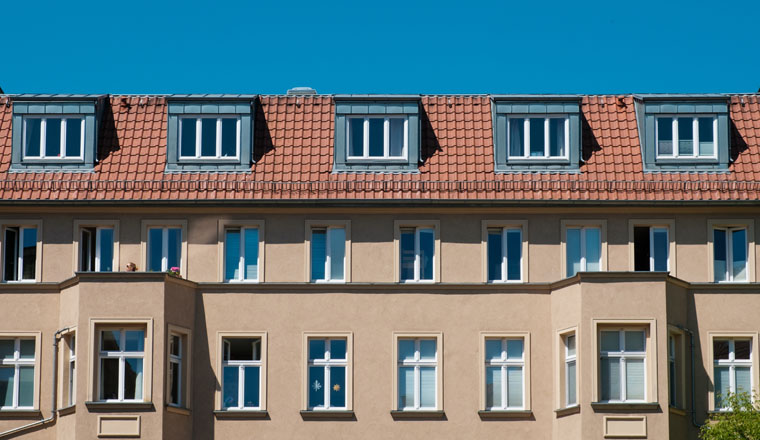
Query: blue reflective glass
(427, 349)
(187, 136)
(232, 254)
(337, 237)
(337, 387)
(229, 137)
(53, 137)
(356, 137)
(494, 255)
(134, 340)
(406, 387)
(230, 379)
(407, 254)
(685, 136)
(660, 251)
(665, 136)
(719, 254)
(516, 137)
(29, 252)
(32, 137)
(739, 254)
(316, 386)
(73, 137)
(406, 349)
(337, 349)
(493, 387)
(593, 250)
(396, 137)
(514, 254)
(251, 387)
(573, 251)
(376, 137)
(174, 247)
(208, 137)
(133, 379)
(7, 376)
(514, 349)
(155, 249)
(318, 254)
(706, 141)
(427, 247)
(317, 349)
(557, 137)
(106, 249)
(251, 248)
(493, 349)
(537, 137)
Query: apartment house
(329, 266)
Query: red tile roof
(294, 155)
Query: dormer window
(60, 137)
(686, 137)
(209, 138)
(372, 137)
(542, 137)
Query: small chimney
(301, 91)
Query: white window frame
(17, 362)
(504, 363)
(165, 246)
(326, 363)
(695, 130)
(18, 256)
(241, 374)
(625, 355)
(199, 133)
(328, 253)
(732, 363)
(121, 355)
(43, 139)
(72, 369)
(583, 251)
(570, 359)
(504, 262)
(525, 118)
(242, 257)
(730, 253)
(178, 361)
(98, 231)
(652, 230)
(417, 363)
(386, 138)
(417, 254)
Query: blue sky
(381, 46)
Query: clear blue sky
(390, 46)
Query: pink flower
(174, 269)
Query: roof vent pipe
(296, 91)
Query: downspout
(54, 402)
(693, 380)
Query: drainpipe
(693, 379)
(54, 402)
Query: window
(538, 137)
(241, 254)
(373, 135)
(651, 248)
(328, 254)
(177, 376)
(417, 360)
(730, 254)
(121, 364)
(164, 248)
(56, 137)
(207, 137)
(732, 363)
(623, 365)
(505, 254)
(72, 370)
(686, 136)
(675, 369)
(327, 373)
(417, 253)
(96, 249)
(242, 373)
(17, 373)
(505, 373)
(570, 371)
(210, 135)
(20, 245)
(583, 249)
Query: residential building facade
(376, 266)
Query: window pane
(251, 387)
(155, 249)
(570, 380)
(7, 375)
(229, 137)
(29, 253)
(634, 380)
(685, 136)
(26, 349)
(87, 260)
(32, 146)
(109, 379)
(660, 251)
(593, 250)
(174, 345)
(706, 145)
(134, 340)
(208, 137)
(407, 254)
(742, 349)
(610, 369)
(722, 385)
(318, 254)
(720, 349)
(514, 387)
(739, 254)
(570, 342)
(634, 341)
(719, 254)
(174, 247)
(573, 251)
(174, 383)
(427, 387)
(406, 349)
(743, 380)
(317, 349)
(514, 254)
(337, 253)
(230, 379)
(427, 349)
(494, 255)
(7, 348)
(187, 135)
(53, 137)
(244, 349)
(665, 136)
(610, 341)
(338, 386)
(316, 386)
(73, 137)
(493, 349)
(493, 387)
(251, 263)
(337, 349)
(106, 249)
(405, 387)
(376, 137)
(514, 348)
(536, 136)
(516, 137)
(641, 245)
(427, 246)
(232, 254)
(110, 340)
(10, 246)
(396, 140)
(356, 137)
(133, 379)
(672, 389)
(557, 137)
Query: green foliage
(742, 423)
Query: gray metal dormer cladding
(683, 133)
(536, 133)
(55, 132)
(377, 133)
(212, 133)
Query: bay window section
(206, 137)
(241, 373)
(583, 250)
(730, 254)
(732, 363)
(623, 365)
(121, 361)
(377, 137)
(417, 249)
(327, 373)
(417, 377)
(241, 254)
(328, 254)
(164, 248)
(504, 254)
(96, 249)
(19, 253)
(17, 375)
(504, 374)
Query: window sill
(328, 415)
(676, 411)
(242, 414)
(625, 406)
(20, 413)
(120, 406)
(562, 412)
(505, 414)
(418, 415)
(71, 409)
(177, 410)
